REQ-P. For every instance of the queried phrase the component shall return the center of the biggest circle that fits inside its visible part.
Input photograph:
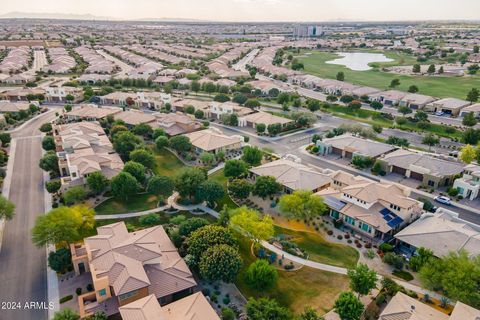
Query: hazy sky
(256, 10)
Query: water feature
(358, 61)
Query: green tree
(413, 89)
(430, 140)
(188, 180)
(422, 257)
(124, 185)
(161, 142)
(159, 132)
(394, 83)
(240, 188)
(249, 222)
(209, 191)
(206, 237)
(456, 275)
(195, 86)
(376, 105)
(228, 314)
(473, 95)
(266, 309)
(125, 142)
(469, 119)
(66, 314)
(261, 276)
(161, 186)
(7, 208)
(53, 186)
(220, 262)
(221, 98)
(5, 138)
(63, 225)
(431, 69)
(207, 158)
(235, 168)
(404, 110)
(260, 127)
(362, 279)
(340, 76)
(46, 127)
(468, 154)
(421, 116)
(137, 170)
(60, 260)
(116, 129)
(266, 186)
(49, 162)
(252, 155)
(348, 307)
(302, 204)
(143, 129)
(416, 68)
(97, 182)
(74, 195)
(48, 143)
(309, 314)
(180, 143)
(252, 103)
(151, 219)
(144, 157)
(188, 226)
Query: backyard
(437, 86)
(225, 200)
(167, 163)
(139, 202)
(295, 289)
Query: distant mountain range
(71, 16)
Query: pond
(358, 61)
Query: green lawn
(296, 289)
(139, 202)
(167, 163)
(225, 200)
(437, 86)
(321, 250)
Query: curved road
(23, 277)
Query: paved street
(125, 68)
(22, 265)
(241, 65)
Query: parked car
(444, 200)
(439, 113)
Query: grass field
(320, 250)
(296, 289)
(225, 200)
(167, 163)
(438, 86)
(139, 202)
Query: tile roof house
(450, 106)
(176, 123)
(442, 232)
(348, 146)
(431, 171)
(415, 100)
(193, 307)
(468, 185)
(217, 109)
(266, 118)
(127, 266)
(13, 107)
(213, 140)
(475, 108)
(388, 98)
(376, 210)
(90, 112)
(294, 176)
(403, 307)
(83, 148)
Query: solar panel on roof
(391, 218)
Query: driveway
(23, 275)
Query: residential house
(431, 171)
(374, 209)
(128, 266)
(134, 117)
(403, 307)
(468, 185)
(348, 146)
(442, 232)
(181, 105)
(83, 148)
(266, 118)
(475, 108)
(192, 307)
(175, 123)
(213, 140)
(293, 175)
(449, 106)
(20, 94)
(60, 94)
(217, 109)
(364, 91)
(388, 98)
(90, 112)
(13, 107)
(121, 99)
(266, 85)
(415, 101)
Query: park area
(438, 86)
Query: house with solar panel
(372, 209)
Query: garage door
(348, 154)
(399, 170)
(336, 151)
(416, 176)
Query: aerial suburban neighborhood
(240, 160)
